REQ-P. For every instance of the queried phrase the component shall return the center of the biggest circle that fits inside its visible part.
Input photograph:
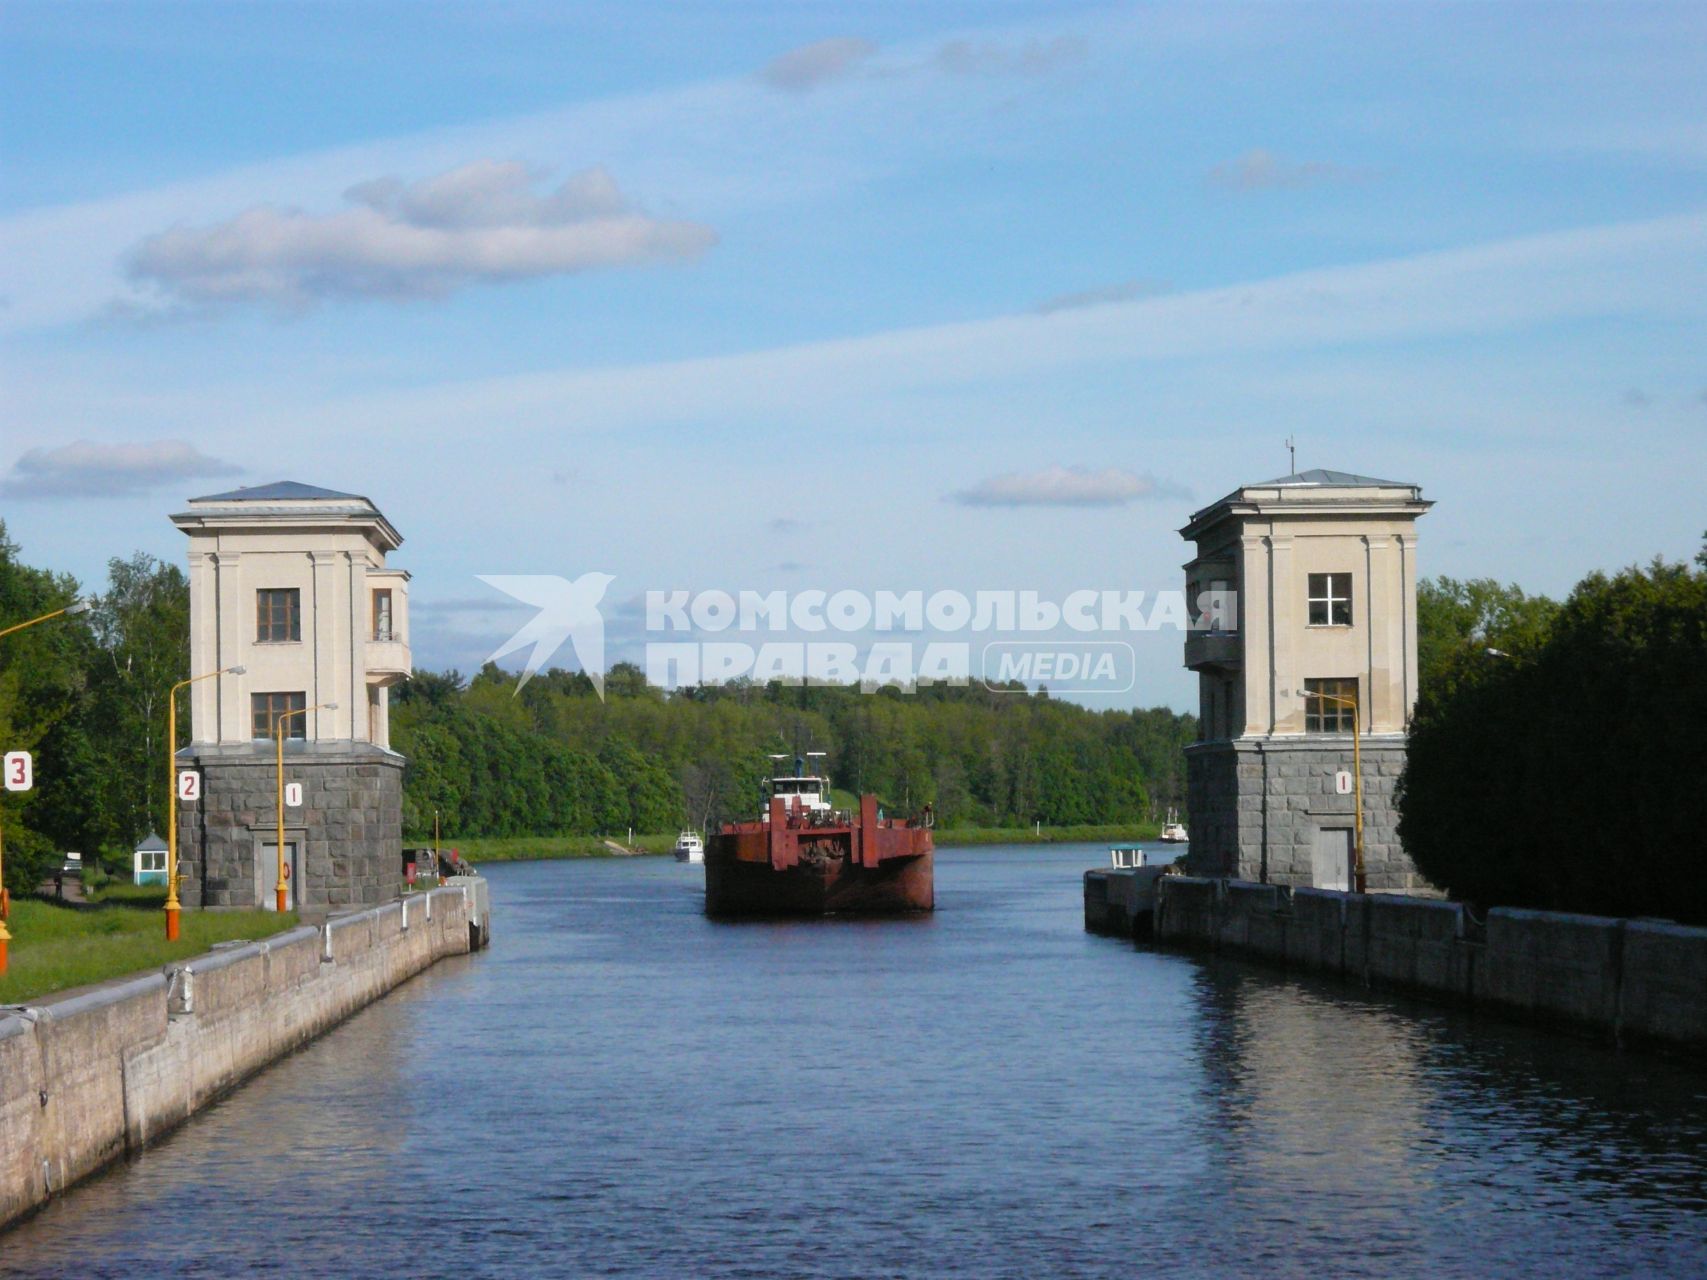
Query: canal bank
(100, 1075)
(1629, 981)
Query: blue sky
(744, 296)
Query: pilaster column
(1384, 630)
(1251, 583)
(1285, 611)
(324, 683)
(227, 698)
(204, 646)
(1407, 573)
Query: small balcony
(387, 660)
(1218, 649)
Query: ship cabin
(800, 790)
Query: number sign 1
(293, 795)
(20, 771)
(189, 785)
(1342, 782)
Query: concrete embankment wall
(85, 1080)
(1627, 980)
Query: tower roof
(1319, 478)
(278, 491)
(1316, 492)
(288, 504)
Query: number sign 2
(20, 771)
(189, 785)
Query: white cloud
(1122, 291)
(481, 222)
(1259, 170)
(803, 69)
(85, 469)
(1654, 268)
(1032, 57)
(1064, 487)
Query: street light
(1359, 880)
(172, 905)
(75, 607)
(278, 739)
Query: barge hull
(832, 887)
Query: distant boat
(689, 847)
(1173, 832)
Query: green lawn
(478, 849)
(1049, 835)
(55, 947)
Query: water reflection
(1361, 1123)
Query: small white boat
(1173, 831)
(689, 847)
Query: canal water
(622, 1088)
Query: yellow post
(438, 867)
(173, 907)
(75, 607)
(278, 738)
(1359, 879)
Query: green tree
(1566, 776)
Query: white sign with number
(293, 795)
(189, 785)
(1342, 782)
(20, 771)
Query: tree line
(551, 758)
(86, 696)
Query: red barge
(803, 857)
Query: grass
(950, 836)
(151, 895)
(478, 849)
(57, 947)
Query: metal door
(267, 875)
(1330, 861)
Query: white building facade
(1320, 568)
(290, 582)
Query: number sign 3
(20, 771)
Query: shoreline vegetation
(478, 849)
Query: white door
(267, 875)
(1330, 862)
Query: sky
(904, 296)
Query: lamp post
(172, 904)
(70, 610)
(278, 740)
(1359, 880)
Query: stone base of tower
(344, 842)
(1266, 809)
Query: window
(1330, 706)
(278, 615)
(266, 708)
(1330, 599)
(382, 614)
